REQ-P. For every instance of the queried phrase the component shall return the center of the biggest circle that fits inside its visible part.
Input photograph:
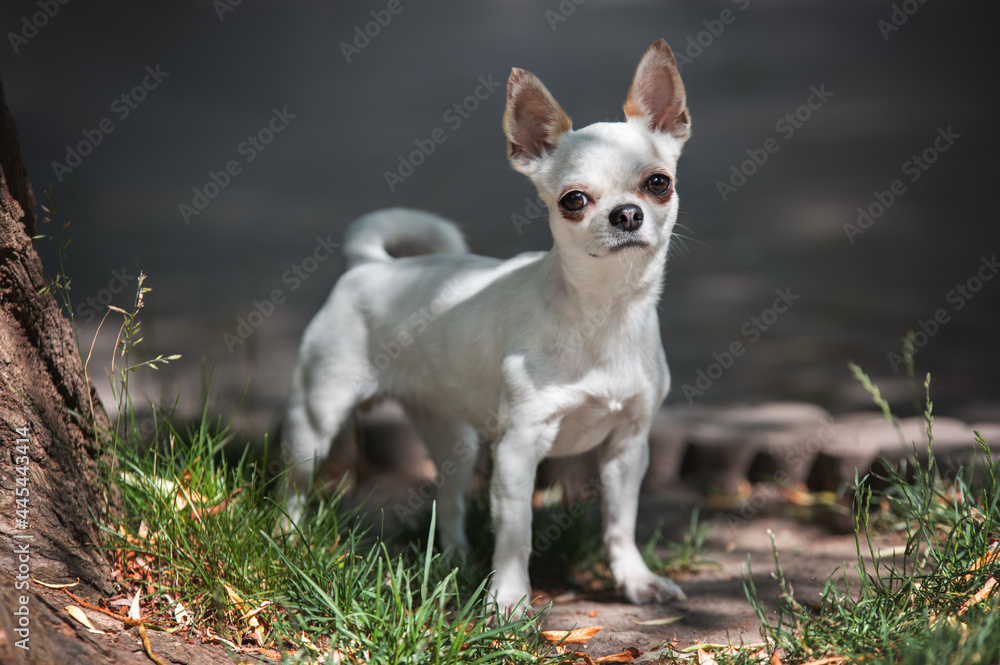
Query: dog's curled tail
(396, 232)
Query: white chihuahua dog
(545, 354)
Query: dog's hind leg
(453, 446)
(332, 377)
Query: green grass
(199, 525)
(328, 585)
(920, 606)
(684, 556)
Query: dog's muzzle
(626, 217)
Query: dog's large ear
(657, 93)
(533, 121)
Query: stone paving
(715, 450)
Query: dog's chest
(587, 425)
(587, 399)
(594, 408)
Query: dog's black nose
(626, 217)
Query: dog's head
(609, 186)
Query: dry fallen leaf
(181, 614)
(255, 612)
(79, 615)
(578, 636)
(979, 596)
(658, 622)
(147, 647)
(705, 658)
(541, 598)
(205, 511)
(626, 656)
(213, 637)
(133, 609)
(236, 599)
(258, 625)
(54, 586)
(304, 638)
(992, 554)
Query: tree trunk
(51, 456)
(49, 495)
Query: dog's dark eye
(574, 201)
(658, 184)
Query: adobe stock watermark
(223, 7)
(406, 334)
(925, 330)
(914, 167)
(534, 209)
(22, 548)
(455, 115)
(575, 337)
(695, 45)
(543, 538)
(293, 278)
(31, 24)
(122, 107)
(95, 305)
(364, 34)
(248, 149)
(898, 17)
(561, 13)
(751, 331)
(786, 126)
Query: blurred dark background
(900, 74)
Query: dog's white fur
(545, 354)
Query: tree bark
(49, 454)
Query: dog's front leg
(515, 460)
(623, 464)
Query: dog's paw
(649, 587)
(511, 601)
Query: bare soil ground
(717, 610)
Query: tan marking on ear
(533, 120)
(657, 93)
